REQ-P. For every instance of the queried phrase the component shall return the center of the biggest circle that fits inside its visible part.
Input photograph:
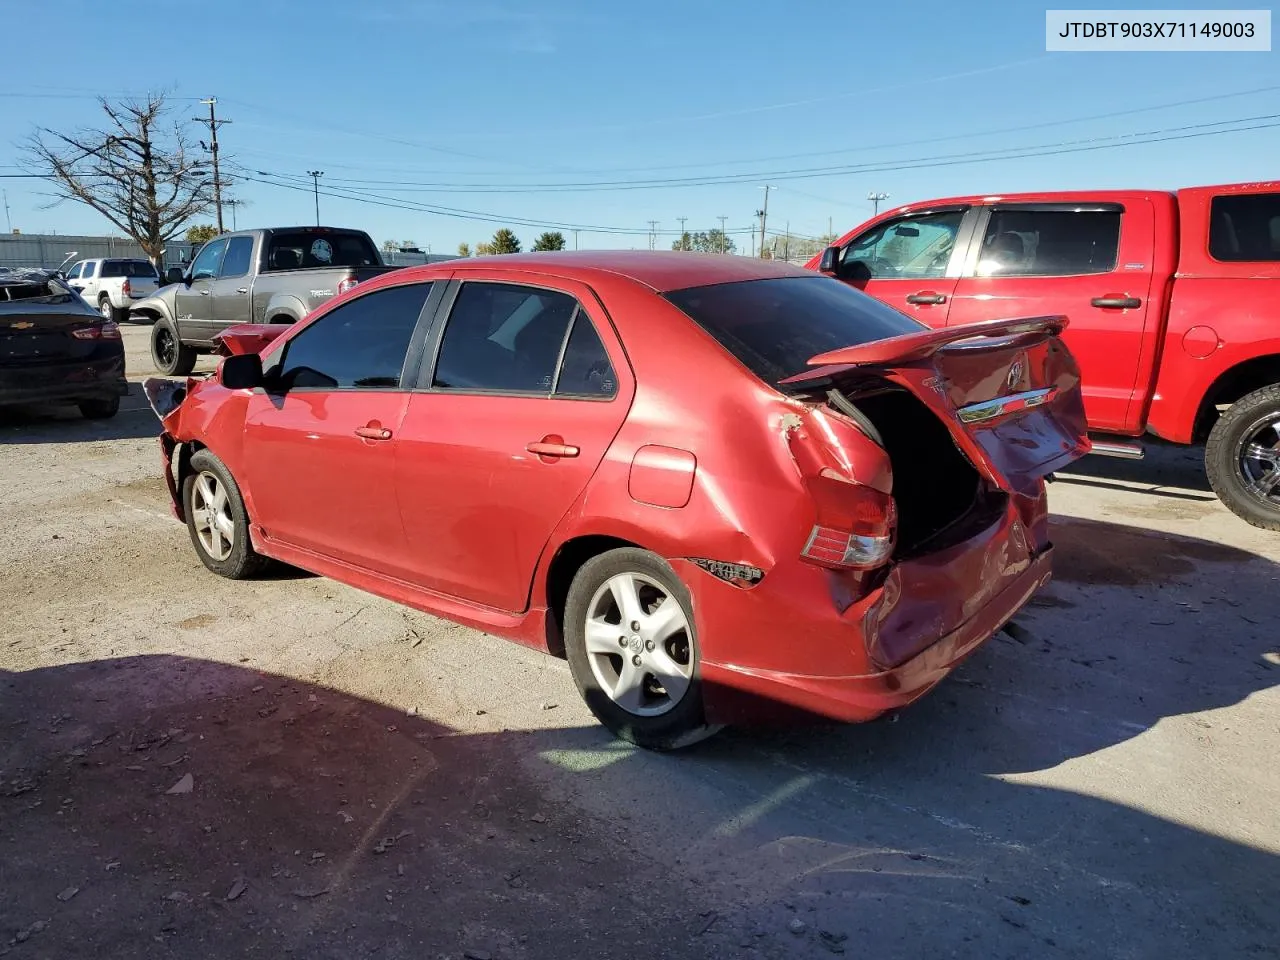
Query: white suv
(112, 285)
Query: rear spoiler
(247, 338)
(925, 343)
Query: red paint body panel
(1146, 369)
(693, 457)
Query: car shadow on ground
(320, 824)
(1164, 466)
(60, 423)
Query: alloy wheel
(166, 349)
(1258, 459)
(638, 645)
(211, 515)
(104, 308)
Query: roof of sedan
(660, 270)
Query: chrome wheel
(1258, 459)
(638, 645)
(211, 516)
(104, 308)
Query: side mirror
(241, 372)
(830, 260)
(173, 275)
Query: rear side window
(1049, 243)
(89, 268)
(362, 343)
(504, 338)
(1245, 228)
(585, 370)
(128, 268)
(774, 326)
(235, 263)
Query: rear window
(774, 326)
(1245, 228)
(129, 268)
(315, 248)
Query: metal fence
(53, 249)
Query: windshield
(320, 248)
(774, 326)
(129, 268)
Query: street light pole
(315, 176)
(875, 198)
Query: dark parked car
(712, 483)
(55, 348)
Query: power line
(1186, 132)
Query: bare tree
(139, 172)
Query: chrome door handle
(242, 289)
(204, 293)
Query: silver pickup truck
(252, 276)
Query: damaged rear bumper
(168, 447)
(738, 693)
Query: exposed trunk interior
(941, 498)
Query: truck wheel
(108, 311)
(170, 355)
(1242, 458)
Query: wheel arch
(565, 563)
(1232, 384)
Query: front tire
(633, 649)
(217, 519)
(1242, 458)
(171, 356)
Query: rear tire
(171, 356)
(99, 409)
(642, 684)
(1242, 458)
(109, 312)
(218, 521)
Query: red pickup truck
(1173, 301)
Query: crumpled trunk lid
(1008, 391)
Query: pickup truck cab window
(1049, 243)
(238, 257)
(75, 272)
(207, 263)
(320, 248)
(916, 247)
(361, 344)
(1245, 228)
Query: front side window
(774, 326)
(914, 248)
(207, 263)
(75, 272)
(362, 343)
(1049, 243)
(503, 337)
(239, 253)
(1245, 228)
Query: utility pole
(575, 239)
(786, 243)
(233, 204)
(763, 214)
(315, 176)
(682, 231)
(721, 241)
(212, 147)
(653, 233)
(830, 232)
(7, 222)
(876, 198)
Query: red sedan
(716, 485)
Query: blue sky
(477, 106)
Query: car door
(528, 388)
(88, 282)
(911, 262)
(193, 302)
(231, 289)
(319, 440)
(1089, 262)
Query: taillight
(125, 289)
(106, 331)
(347, 284)
(855, 527)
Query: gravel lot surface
(198, 768)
